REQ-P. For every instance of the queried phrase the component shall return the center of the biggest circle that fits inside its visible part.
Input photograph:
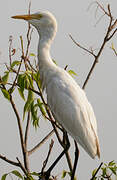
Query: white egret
(66, 100)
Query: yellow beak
(28, 17)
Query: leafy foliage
(72, 73)
(64, 173)
(107, 171)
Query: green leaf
(4, 177)
(36, 77)
(30, 178)
(11, 90)
(71, 72)
(112, 46)
(35, 174)
(94, 171)
(41, 107)
(54, 61)
(21, 81)
(113, 169)
(15, 63)
(6, 94)
(21, 92)
(64, 174)
(32, 54)
(27, 105)
(29, 80)
(34, 114)
(5, 78)
(104, 171)
(16, 173)
(112, 163)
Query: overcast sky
(73, 18)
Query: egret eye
(39, 16)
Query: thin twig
(16, 75)
(100, 50)
(111, 35)
(67, 145)
(115, 52)
(27, 129)
(9, 161)
(97, 171)
(24, 151)
(10, 46)
(48, 155)
(106, 39)
(54, 122)
(18, 164)
(90, 52)
(40, 144)
(19, 123)
(76, 160)
(21, 166)
(100, 6)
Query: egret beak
(28, 16)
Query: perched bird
(66, 100)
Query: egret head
(43, 21)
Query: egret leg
(47, 173)
(75, 161)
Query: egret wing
(72, 110)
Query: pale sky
(73, 18)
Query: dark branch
(76, 160)
(14, 163)
(48, 155)
(97, 171)
(111, 35)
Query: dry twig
(107, 37)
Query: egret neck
(44, 58)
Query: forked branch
(108, 36)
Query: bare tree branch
(41, 143)
(14, 163)
(111, 35)
(9, 161)
(48, 155)
(24, 151)
(76, 160)
(90, 52)
(106, 39)
(10, 46)
(22, 167)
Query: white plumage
(66, 100)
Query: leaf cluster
(107, 171)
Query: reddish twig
(90, 52)
(24, 151)
(106, 39)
